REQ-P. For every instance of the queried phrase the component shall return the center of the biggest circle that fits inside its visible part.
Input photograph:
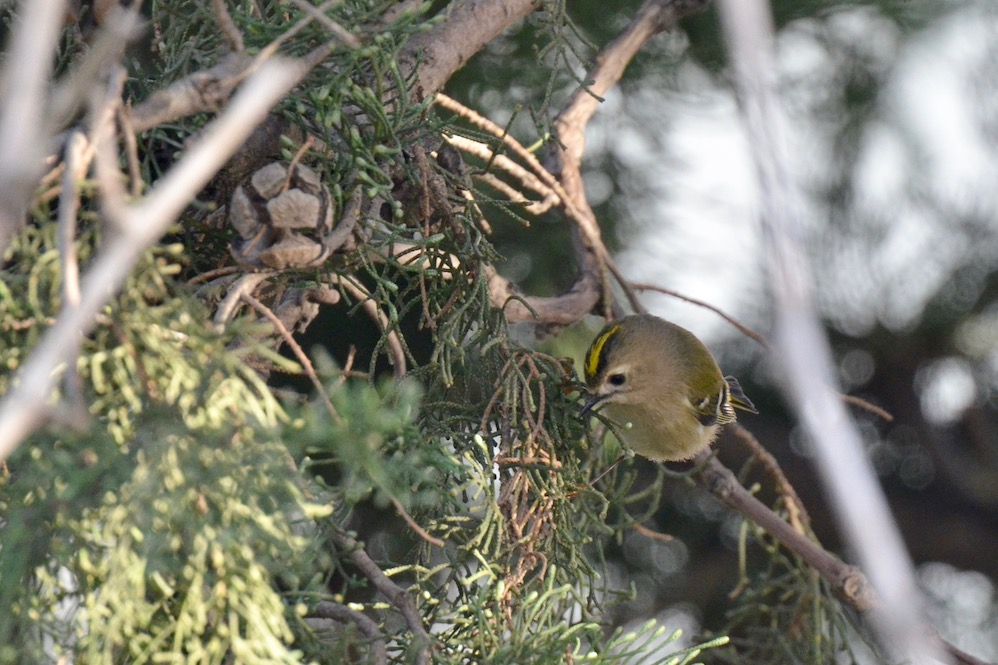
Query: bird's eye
(617, 379)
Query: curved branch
(593, 259)
(435, 55)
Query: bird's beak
(592, 401)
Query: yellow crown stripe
(596, 350)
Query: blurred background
(893, 110)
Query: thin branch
(508, 139)
(395, 594)
(795, 507)
(592, 257)
(298, 351)
(69, 205)
(131, 152)
(104, 110)
(847, 581)
(861, 403)
(363, 296)
(413, 524)
(244, 285)
(652, 534)
(504, 163)
(744, 329)
(329, 24)
(863, 512)
(76, 161)
(213, 274)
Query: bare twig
(245, 285)
(213, 274)
(362, 295)
(846, 580)
(24, 407)
(744, 329)
(495, 130)
(131, 152)
(298, 351)
(69, 205)
(861, 403)
(863, 512)
(650, 533)
(395, 594)
(504, 163)
(104, 110)
(329, 24)
(414, 525)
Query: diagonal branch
(395, 594)
(847, 581)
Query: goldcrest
(661, 385)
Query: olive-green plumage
(662, 385)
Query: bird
(661, 385)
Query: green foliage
(173, 544)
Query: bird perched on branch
(662, 385)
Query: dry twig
(298, 351)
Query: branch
(141, 224)
(847, 581)
(566, 186)
(298, 351)
(23, 86)
(744, 329)
(395, 594)
(435, 55)
(366, 625)
(228, 26)
(206, 90)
